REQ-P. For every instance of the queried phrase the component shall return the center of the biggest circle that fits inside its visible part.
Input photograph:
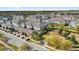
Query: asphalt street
(34, 46)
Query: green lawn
(2, 47)
(67, 29)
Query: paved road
(34, 46)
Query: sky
(36, 8)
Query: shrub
(35, 36)
(24, 48)
(72, 38)
(57, 41)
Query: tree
(72, 38)
(0, 25)
(61, 29)
(32, 27)
(24, 48)
(19, 23)
(65, 34)
(57, 41)
(35, 36)
(77, 28)
(25, 26)
(66, 45)
(49, 27)
(67, 22)
(7, 27)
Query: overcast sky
(36, 8)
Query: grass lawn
(2, 47)
(14, 47)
